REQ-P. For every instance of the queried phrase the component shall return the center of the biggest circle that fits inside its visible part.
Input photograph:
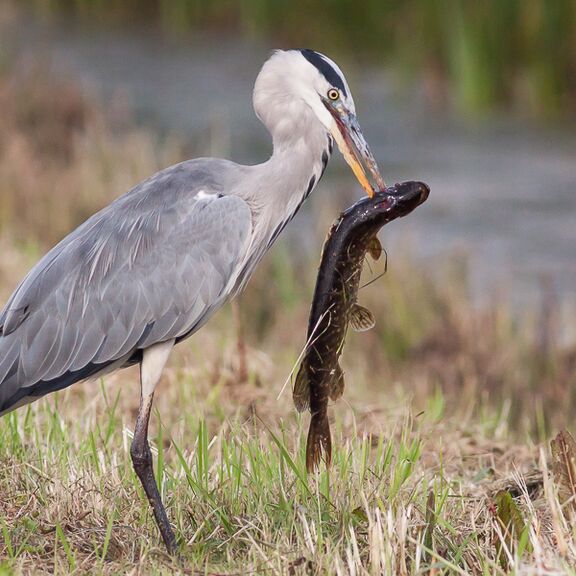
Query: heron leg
(151, 370)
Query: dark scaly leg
(142, 462)
(150, 372)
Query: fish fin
(337, 385)
(301, 391)
(319, 442)
(361, 319)
(375, 248)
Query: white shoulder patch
(203, 195)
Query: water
(503, 192)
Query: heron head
(290, 78)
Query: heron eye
(333, 94)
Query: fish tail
(319, 442)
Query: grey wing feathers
(150, 267)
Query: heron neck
(297, 164)
(277, 188)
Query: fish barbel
(334, 305)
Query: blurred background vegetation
(476, 54)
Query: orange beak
(354, 148)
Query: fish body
(334, 305)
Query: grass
(441, 462)
(230, 461)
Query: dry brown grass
(72, 504)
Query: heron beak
(354, 148)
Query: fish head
(401, 199)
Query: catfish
(335, 305)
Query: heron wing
(152, 266)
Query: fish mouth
(403, 197)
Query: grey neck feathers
(301, 152)
(277, 188)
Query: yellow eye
(333, 94)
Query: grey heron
(152, 267)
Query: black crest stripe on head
(325, 68)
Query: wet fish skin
(334, 304)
